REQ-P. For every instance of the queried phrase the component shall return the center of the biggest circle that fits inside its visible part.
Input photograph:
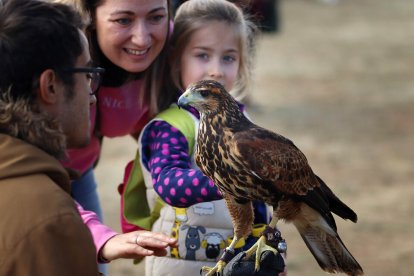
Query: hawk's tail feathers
(325, 244)
(336, 205)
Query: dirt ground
(339, 81)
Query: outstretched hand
(137, 244)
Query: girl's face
(132, 33)
(212, 54)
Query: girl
(211, 40)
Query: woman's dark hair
(152, 93)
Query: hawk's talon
(213, 271)
(259, 247)
(228, 254)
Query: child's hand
(135, 245)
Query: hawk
(248, 162)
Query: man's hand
(135, 245)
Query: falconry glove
(270, 264)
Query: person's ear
(48, 86)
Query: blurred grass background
(338, 80)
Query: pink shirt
(100, 232)
(120, 114)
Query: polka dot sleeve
(165, 153)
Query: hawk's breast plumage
(248, 162)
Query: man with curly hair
(45, 97)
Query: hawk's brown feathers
(248, 162)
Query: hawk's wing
(276, 159)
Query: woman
(128, 39)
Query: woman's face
(132, 33)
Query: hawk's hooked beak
(184, 100)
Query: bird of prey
(248, 162)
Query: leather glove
(270, 264)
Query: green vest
(136, 209)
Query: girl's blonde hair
(196, 14)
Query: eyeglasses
(94, 75)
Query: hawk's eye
(204, 93)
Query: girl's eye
(229, 59)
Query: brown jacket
(41, 232)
